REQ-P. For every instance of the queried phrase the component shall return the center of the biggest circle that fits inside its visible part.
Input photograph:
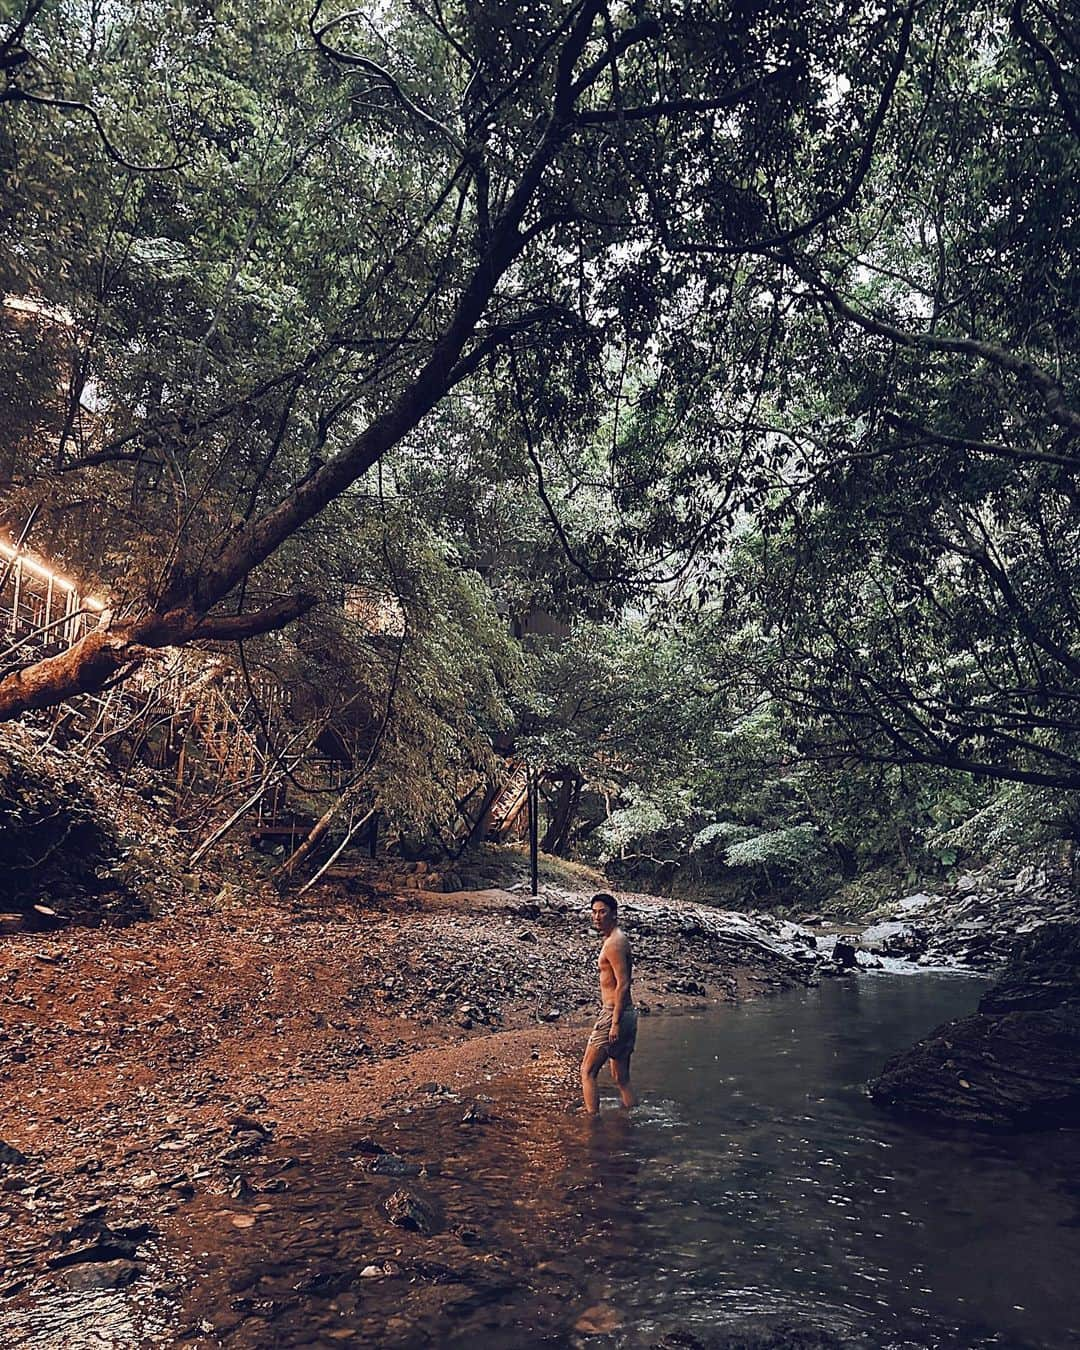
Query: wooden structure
(217, 735)
(185, 711)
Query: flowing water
(769, 1183)
(755, 1190)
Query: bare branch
(74, 105)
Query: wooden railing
(184, 711)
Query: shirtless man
(615, 1033)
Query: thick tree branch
(641, 32)
(234, 627)
(1046, 57)
(258, 539)
(991, 448)
(1049, 389)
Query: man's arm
(618, 955)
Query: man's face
(601, 917)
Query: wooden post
(15, 600)
(533, 795)
(373, 839)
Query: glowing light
(46, 574)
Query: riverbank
(146, 1067)
(755, 1199)
(172, 1036)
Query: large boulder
(1014, 1064)
(895, 938)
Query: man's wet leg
(620, 1072)
(590, 1066)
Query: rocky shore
(172, 1037)
(1015, 1064)
(976, 923)
(150, 1067)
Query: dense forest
(693, 385)
(537, 535)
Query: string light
(46, 574)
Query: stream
(755, 1189)
(755, 1196)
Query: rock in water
(1044, 974)
(1013, 1065)
(599, 1320)
(844, 955)
(905, 940)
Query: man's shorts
(622, 1047)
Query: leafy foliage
(742, 337)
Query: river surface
(769, 1183)
(755, 1190)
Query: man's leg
(620, 1071)
(590, 1066)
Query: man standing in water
(615, 1033)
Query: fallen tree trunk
(319, 830)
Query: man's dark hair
(606, 899)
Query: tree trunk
(317, 833)
(557, 834)
(115, 646)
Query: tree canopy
(763, 311)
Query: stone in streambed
(385, 1270)
(408, 1212)
(904, 940)
(599, 1320)
(116, 1274)
(391, 1165)
(366, 1145)
(10, 1156)
(246, 1124)
(844, 956)
(779, 1336)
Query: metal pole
(17, 596)
(533, 795)
(18, 545)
